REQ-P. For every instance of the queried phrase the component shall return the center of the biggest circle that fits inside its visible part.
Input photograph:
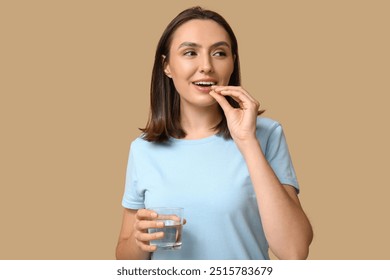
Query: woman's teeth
(205, 84)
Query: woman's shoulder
(268, 131)
(140, 143)
(268, 124)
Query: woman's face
(200, 56)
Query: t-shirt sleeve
(132, 197)
(278, 156)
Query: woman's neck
(199, 122)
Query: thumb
(221, 101)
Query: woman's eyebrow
(195, 45)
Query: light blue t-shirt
(210, 179)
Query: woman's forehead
(201, 32)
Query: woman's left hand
(241, 121)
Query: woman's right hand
(145, 219)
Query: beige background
(74, 89)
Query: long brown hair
(164, 116)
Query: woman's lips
(204, 89)
(204, 85)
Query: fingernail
(153, 248)
(160, 224)
(153, 215)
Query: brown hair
(164, 116)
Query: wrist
(248, 146)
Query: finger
(146, 214)
(237, 101)
(239, 95)
(146, 237)
(145, 246)
(244, 100)
(143, 225)
(143, 240)
(226, 107)
(236, 88)
(169, 217)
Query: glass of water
(172, 217)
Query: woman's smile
(204, 85)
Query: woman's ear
(167, 70)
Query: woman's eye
(220, 54)
(190, 53)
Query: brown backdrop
(74, 89)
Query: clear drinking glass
(172, 217)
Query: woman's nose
(206, 65)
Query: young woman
(206, 149)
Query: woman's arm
(133, 243)
(287, 229)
